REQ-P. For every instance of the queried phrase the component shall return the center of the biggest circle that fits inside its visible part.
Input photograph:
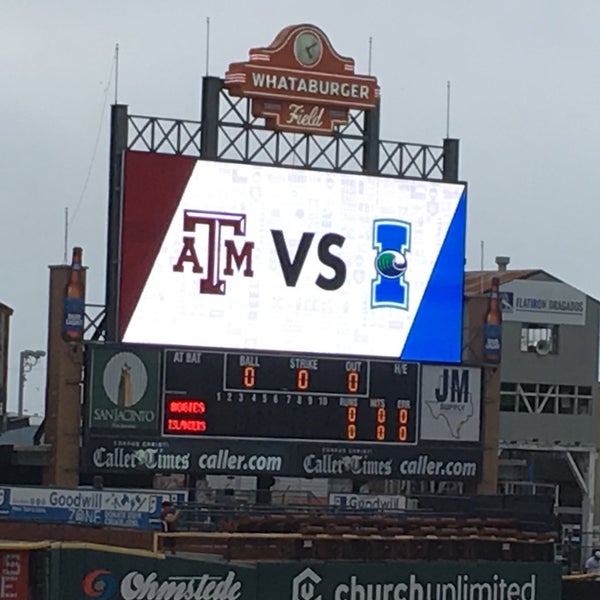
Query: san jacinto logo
(124, 388)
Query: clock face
(308, 48)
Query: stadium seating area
(327, 536)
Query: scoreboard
(203, 410)
(262, 395)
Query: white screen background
(261, 312)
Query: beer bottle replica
(492, 329)
(74, 301)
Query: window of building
(544, 398)
(584, 406)
(566, 406)
(508, 397)
(542, 339)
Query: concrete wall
(576, 361)
(548, 429)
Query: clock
(308, 48)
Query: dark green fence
(409, 581)
(102, 575)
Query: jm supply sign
(299, 83)
(450, 403)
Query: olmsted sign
(300, 83)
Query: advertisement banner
(545, 302)
(245, 457)
(116, 508)
(14, 575)
(280, 457)
(107, 576)
(492, 343)
(299, 83)
(450, 403)
(124, 389)
(224, 253)
(368, 502)
(410, 581)
(389, 461)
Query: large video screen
(289, 260)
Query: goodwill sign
(117, 508)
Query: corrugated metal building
(549, 410)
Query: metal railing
(243, 139)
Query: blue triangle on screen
(436, 332)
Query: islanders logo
(99, 584)
(391, 241)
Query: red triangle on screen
(153, 185)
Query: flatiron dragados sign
(300, 83)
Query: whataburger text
(325, 88)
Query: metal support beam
(577, 474)
(209, 134)
(371, 140)
(588, 502)
(118, 146)
(504, 445)
(451, 160)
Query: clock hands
(309, 49)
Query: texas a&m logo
(234, 255)
(219, 226)
(391, 240)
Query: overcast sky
(525, 106)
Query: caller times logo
(99, 584)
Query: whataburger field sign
(300, 83)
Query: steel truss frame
(244, 138)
